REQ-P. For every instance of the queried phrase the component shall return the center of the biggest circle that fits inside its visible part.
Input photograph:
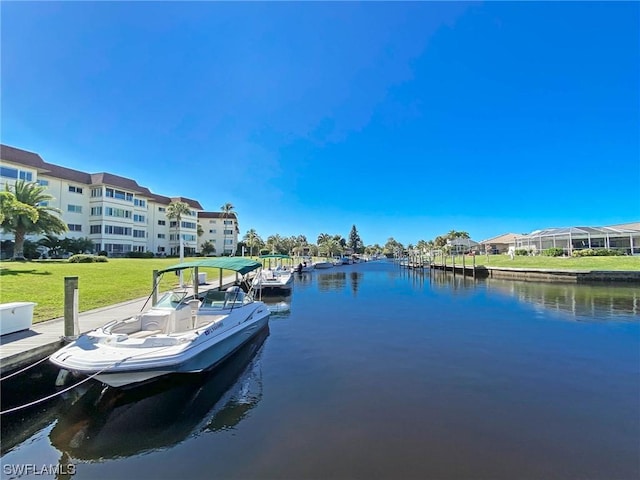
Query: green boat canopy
(237, 264)
(275, 255)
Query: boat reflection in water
(110, 423)
(278, 305)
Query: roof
(504, 238)
(217, 215)
(465, 242)
(17, 155)
(241, 265)
(550, 232)
(192, 203)
(118, 181)
(628, 226)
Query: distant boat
(180, 334)
(323, 264)
(278, 275)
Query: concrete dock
(19, 349)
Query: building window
(173, 224)
(96, 192)
(117, 248)
(96, 211)
(212, 221)
(119, 194)
(74, 208)
(43, 183)
(228, 241)
(188, 224)
(139, 234)
(138, 218)
(28, 176)
(7, 172)
(74, 189)
(74, 227)
(117, 212)
(139, 203)
(212, 230)
(161, 209)
(95, 229)
(161, 235)
(117, 230)
(228, 222)
(228, 232)
(160, 249)
(161, 222)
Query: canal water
(370, 371)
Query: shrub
(82, 258)
(596, 252)
(553, 252)
(139, 255)
(103, 253)
(522, 252)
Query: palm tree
(53, 244)
(251, 238)
(176, 210)
(21, 221)
(227, 208)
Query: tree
(227, 208)
(207, 247)
(252, 239)
(53, 244)
(176, 210)
(23, 221)
(10, 206)
(355, 242)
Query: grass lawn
(99, 284)
(558, 263)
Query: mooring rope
(53, 395)
(24, 369)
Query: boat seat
(144, 333)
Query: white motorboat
(182, 333)
(276, 274)
(304, 264)
(323, 264)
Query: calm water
(369, 371)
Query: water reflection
(278, 305)
(332, 281)
(355, 277)
(593, 302)
(111, 423)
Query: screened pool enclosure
(578, 238)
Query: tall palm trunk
(18, 248)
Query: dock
(20, 349)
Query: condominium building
(115, 213)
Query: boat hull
(202, 356)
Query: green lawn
(99, 284)
(559, 263)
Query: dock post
(71, 328)
(464, 269)
(453, 263)
(474, 266)
(154, 289)
(220, 286)
(196, 282)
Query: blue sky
(405, 119)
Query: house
(499, 244)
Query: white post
(181, 255)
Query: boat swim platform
(23, 348)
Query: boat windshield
(171, 299)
